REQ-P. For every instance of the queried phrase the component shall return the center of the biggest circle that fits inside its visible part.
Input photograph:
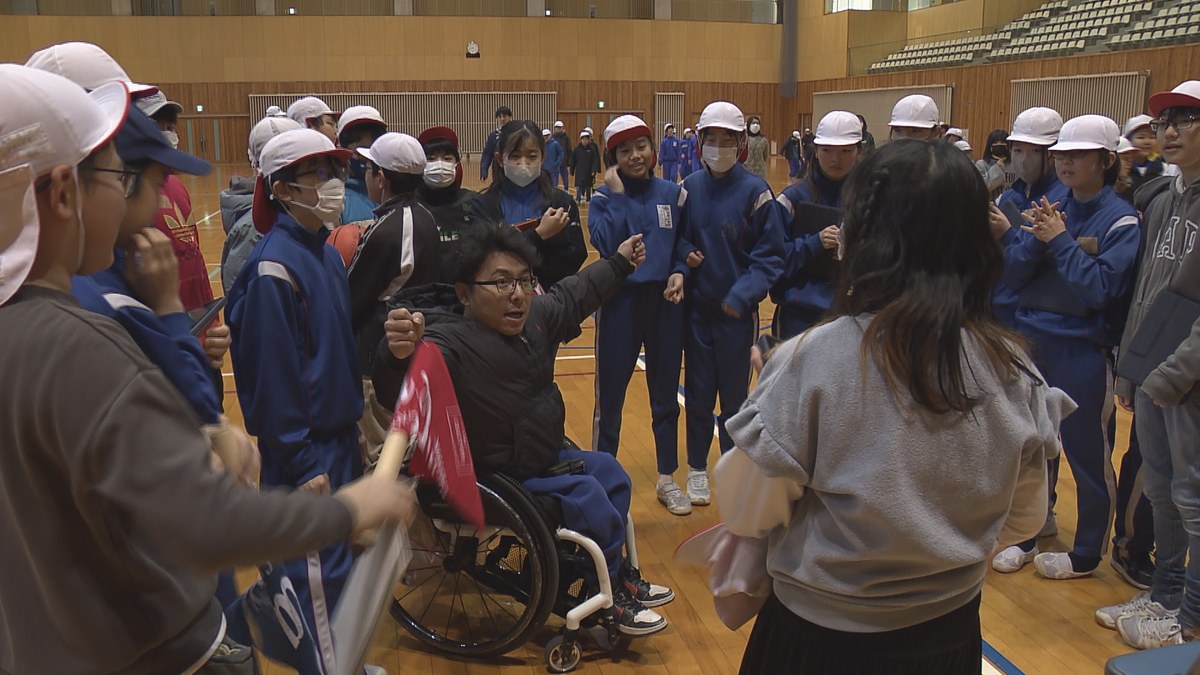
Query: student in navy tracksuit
(504, 115)
(554, 155)
(800, 297)
(732, 218)
(1034, 130)
(294, 356)
(670, 153)
(1074, 279)
(634, 201)
(144, 298)
(521, 193)
(687, 154)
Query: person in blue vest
(504, 115)
(732, 219)
(645, 311)
(294, 355)
(801, 297)
(359, 127)
(687, 154)
(669, 153)
(1075, 268)
(522, 195)
(554, 155)
(1033, 132)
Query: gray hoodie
(900, 509)
(1168, 260)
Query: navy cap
(141, 139)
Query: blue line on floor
(997, 659)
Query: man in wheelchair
(498, 341)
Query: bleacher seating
(1061, 28)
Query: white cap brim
(113, 101)
(1064, 146)
(1032, 140)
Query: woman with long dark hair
(522, 194)
(887, 451)
(994, 165)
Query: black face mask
(358, 168)
(1000, 151)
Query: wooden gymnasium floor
(1031, 624)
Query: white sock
(663, 479)
(693, 472)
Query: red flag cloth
(428, 411)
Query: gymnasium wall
(965, 18)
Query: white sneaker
(1151, 631)
(1012, 559)
(697, 488)
(1140, 605)
(373, 670)
(1057, 566)
(670, 494)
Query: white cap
(1186, 95)
(545, 132)
(917, 111)
(47, 121)
(86, 65)
(558, 123)
(275, 111)
(962, 145)
(1088, 132)
(722, 115)
(955, 131)
(624, 128)
(1125, 145)
(1136, 122)
(267, 128)
(297, 145)
(687, 130)
(355, 114)
(304, 109)
(1036, 126)
(668, 125)
(796, 133)
(838, 128)
(149, 105)
(587, 131)
(396, 152)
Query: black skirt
(784, 643)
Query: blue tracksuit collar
(1041, 187)
(520, 204)
(311, 240)
(636, 186)
(1085, 210)
(831, 190)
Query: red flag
(428, 411)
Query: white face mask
(522, 174)
(172, 138)
(331, 197)
(719, 160)
(754, 128)
(439, 173)
(1028, 167)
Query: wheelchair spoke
(423, 569)
(487, 609)
(450, 614)
(418, 586)
(435, 595)
(462, 603)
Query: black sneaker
(650, 595)
(1137, 569)
(632, 616)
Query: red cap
(438, 133)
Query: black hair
(997, 137)
(87, 179)
(512, 136)
(503, 110)
(285, 175)
(1112, 173)
(441, 146)
(402, 183)
(486, 238)
(863, 120)
(357, 132)
(166, 115)
(925, 303)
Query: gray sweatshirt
(899, 509)
(1168, 260)
(112, 523)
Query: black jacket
(511, 407)
(585, 159)
(564, 140)
(454, 210)
(563, 254)
(390, 256)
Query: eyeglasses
(129, 178)
(324, 173)
(509, 286)
(1073, 155)
(1181, 123)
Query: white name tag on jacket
(664, 216)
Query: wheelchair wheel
(479, 593)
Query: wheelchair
(483, 593)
